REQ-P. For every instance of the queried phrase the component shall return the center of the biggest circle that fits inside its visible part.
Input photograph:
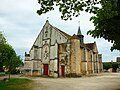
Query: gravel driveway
(106, 81)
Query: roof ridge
(89, 43)
(67, 35)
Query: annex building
(58, 54)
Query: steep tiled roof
(90, 45)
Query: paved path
(11, 76)
(108, 81)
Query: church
(58, 54)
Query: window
(35, 54)
(83, 54)
(46, 31)
(90, 56)
(96, 58)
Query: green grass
(16, 84)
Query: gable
(50, 32)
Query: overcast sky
(21, 24)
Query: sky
(20, 24)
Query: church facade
(57, 54)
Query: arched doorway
(62, 71)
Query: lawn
(16, 84)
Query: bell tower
(79, 34)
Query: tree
(68, 8)
(10, 59)
(115, 65)
(108, 65)
(8, 56)
(2, 42)
(2, 38)
(107, 23)
(106, 17)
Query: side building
(57, 54)
(118, 59)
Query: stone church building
(58, 54)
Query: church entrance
(45, 72)
(62, 71)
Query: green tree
(2, 38)
(10, 59)
(107, 23)
(68, 8)
(106, 17)
(108, 65)
(115, 65)
(8, 56)
(2, 42)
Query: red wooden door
(62, 71)
(45, 69)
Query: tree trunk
(9, 75)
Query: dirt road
(108, 81)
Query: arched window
(83, 54)
(35, 54)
